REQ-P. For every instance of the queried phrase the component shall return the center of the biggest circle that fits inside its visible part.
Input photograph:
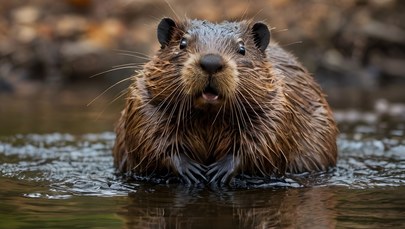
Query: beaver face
(210, 77)
(212, 62)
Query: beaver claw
(189, 171)
(223, 170)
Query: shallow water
(61, 180)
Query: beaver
(220, 100)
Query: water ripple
(82, 165)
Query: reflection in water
(177, 207)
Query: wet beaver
(220, 100)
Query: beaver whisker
(115, 69)
(249, 92)
(120, 94)
(160, 105)
(167, 123)
(106, 90)
(239, 114)
(142, 159)
(163, 113)
(216, 116)
(240, 118)
(132, 52)
(129, 65)
(171, 84)
(259, 162)
(232, 114)
(242, 109)
(180, 114)
(182, 117)
(253, 109)
(179, 120)
(170, 101)
(223, 113)
(136, 56)
(254, 82)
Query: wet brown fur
(272, 118)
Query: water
(67, 180)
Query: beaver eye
(183, 43)
(241, 48)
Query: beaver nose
(211, 63)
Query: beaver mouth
(210, 93)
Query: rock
(26, 15)
(383, 31)
(25, 34)
(71, 25)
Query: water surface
(66, 179)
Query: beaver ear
(261, 35)
(165, 31)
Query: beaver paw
(222, 171)
(189, 171)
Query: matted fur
(272, 117)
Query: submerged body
(219, 100)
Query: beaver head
(209, 65)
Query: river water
(56, 171)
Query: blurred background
(49, 51)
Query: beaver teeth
(210, 94)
